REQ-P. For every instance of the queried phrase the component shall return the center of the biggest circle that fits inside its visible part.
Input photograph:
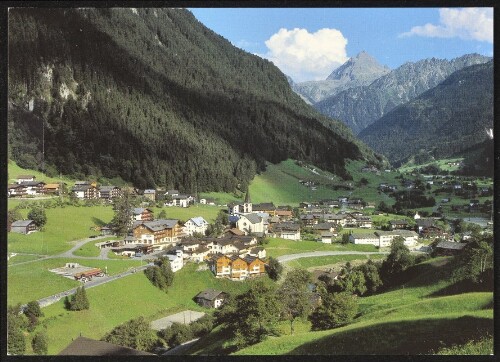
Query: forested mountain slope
(155, 97)
(361, 106)
(444, 121)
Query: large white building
(195, 225)
(384, 238)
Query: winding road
(285, 258)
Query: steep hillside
(156, 98)
(443, 121)
(360, 70)
(361, 106)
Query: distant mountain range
(360, 106)
(444, 121)
(154, 97)
(360, 70)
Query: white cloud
(467, 23)
(307, 56)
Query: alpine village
(172, 194)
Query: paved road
(285, 258)
(180, 349)
(184, 317)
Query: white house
(195, 225)
(180, 201)
(25, 178)
(176, 261)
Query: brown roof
(83, 346)
(236, 232)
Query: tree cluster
(136, 334)
(160, 274)
(78, 301)
(179, 333)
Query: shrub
(39, 343)
(336, 309)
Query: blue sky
(308, 44)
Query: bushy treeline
(156, 99)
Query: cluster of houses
(27, 185)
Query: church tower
(247, 205)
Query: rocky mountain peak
(362, 67)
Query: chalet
(398, 224)
(195, 225)
(17, 190)
(245, 208)
(305, 205)
(109, 192)
(432, 232)
(210, 298)
(308, 219)
(86, 183)
(337, 219)
(25, 178)
(329, 203)
(357, 204)
(158, 232)
(234, 232)
(23, 226)
(326, 237)
(237, 268)
(287, 230)
(251, 224)
(226, 246)
(150, 194)
(256, 266)
(258, 252)
(53, 188)
(323, 227)
(172, 193)
(343, 199)
(85, 191)
(142, 214)
(33, 188)
(445, 248)
(267, 207)
(180, 201)
(364, 222)
(106, 230)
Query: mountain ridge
(359, 70)
(443, 121)
(361, 106)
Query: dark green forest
(448, 120)
(155, 98)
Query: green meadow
(110, 306)
(416, 318)
(319, 261)
(277, 247)
(208, 212)
(32, 281)
(63, 226)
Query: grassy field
(415, 319)
(208, 212)
(110, 306)
(277, 247)
(14, 170)
(442, 164)
(319, 261)
(63, 225)
(21, 258)
(32, 281)
(89, 249)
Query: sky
(308, 44)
